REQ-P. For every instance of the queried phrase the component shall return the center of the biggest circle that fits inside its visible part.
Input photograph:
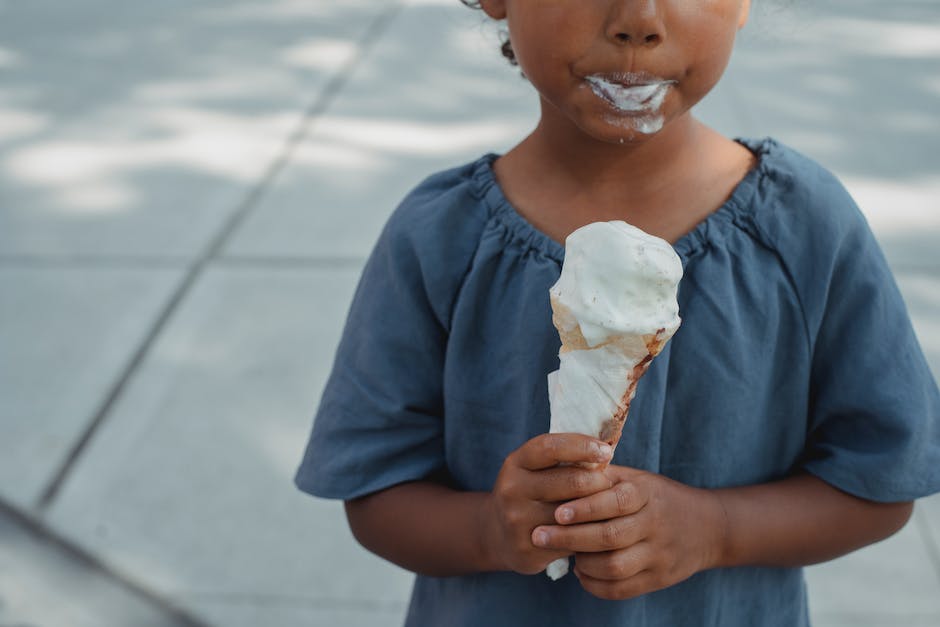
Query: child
(791, 419)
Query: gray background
(187, 194)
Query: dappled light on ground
(131, 133)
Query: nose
(636, 22)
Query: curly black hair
(506, 47)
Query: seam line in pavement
(324, 99)
(41, 532)
(320, 105)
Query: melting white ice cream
(645, 100)
(615, 308)
(617, 280)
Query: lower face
(618, 91)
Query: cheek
(547, 39)
(711, 25)
(708, 42)
(713, 50)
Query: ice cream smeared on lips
(645, 97)
(638, 96)
(615, 308)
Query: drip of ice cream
(615, 308)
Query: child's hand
(645, 533)
(529, 487)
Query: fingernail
(565, 514)
(540, 538)
(603, 451)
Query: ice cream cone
(614, 308)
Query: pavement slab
(398, 119)
(249, 612)
(139, 129)
(894, 579)
(929, 522)
(877, 619)
(808, 74)
(67, 334)
(45, 583)
(921, 292)
(187, 487)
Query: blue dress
(795, 353)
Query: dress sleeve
(380, 419)
(874, 423)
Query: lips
(630, 92)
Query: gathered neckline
(737, 204)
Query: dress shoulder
(435, 232)
(380, 421)
(804, 213)
(872, 427)
(799, 198)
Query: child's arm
(648, 532)
(434, 530)
(802, 520)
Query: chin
(617, 132)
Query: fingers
(532, 481)
(618, 590)
(618, 575)
(510, 535)
(525, 519)
(551, 449)
(643, 534)
(566, 483)
(608, 535)
(616, 565)
(552, 486)
(623, 499)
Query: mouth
(630, 93)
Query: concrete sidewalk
(188, 191)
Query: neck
(568, 154)
(560, 178)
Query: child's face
(620, 70)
